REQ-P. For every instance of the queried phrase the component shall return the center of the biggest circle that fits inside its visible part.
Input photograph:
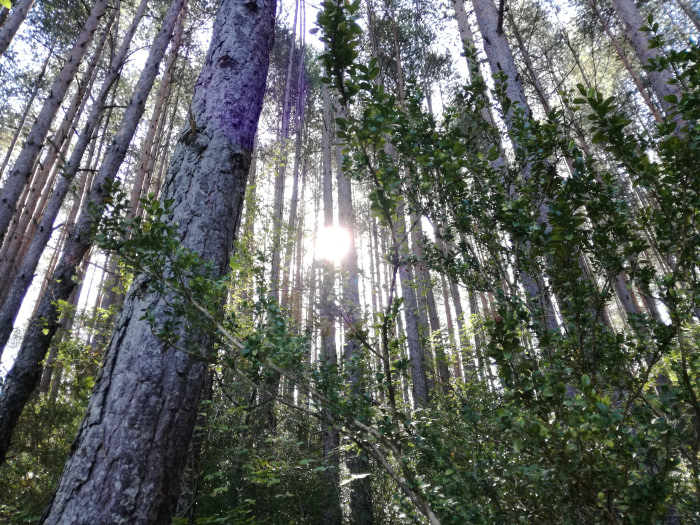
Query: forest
(349, 261)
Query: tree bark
(127, 463)
(21, 171)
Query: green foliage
(49, 423)
(594, 423)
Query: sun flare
(332, 243)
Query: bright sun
(332, 243)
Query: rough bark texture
(21, 171)
(127, 463)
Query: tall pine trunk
(127, 462)
(22, 169)
(25, 273)
(660, 80)
(10, 27)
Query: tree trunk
(147, 159)
(415, 350)
(10, 27)
(127, 462)
(22, 378)
(690, 13)
(500, 59)
(28, 106)
(331, 438)
(360, 489)
(15, 246)
(31, 259)
(292, 225)
(632, 20)
(425, 287)
(643, 91)
(278, 206)
(21, 171)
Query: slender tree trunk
(292, 225)
(278, 206)
(21, 171)
(500, 59)
(25, 273)
(331, 438)
(147, 158)
(456, 359)
(28, 106)
(643, 91)
(690, 13)
(660, 80)
(360, 489)
(415, 350)
(127, 462)
(15, 246)
(22, 379)
(10, 27)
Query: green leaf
(6, 4)
(673, 99)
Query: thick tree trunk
(31, 259)
(21, 171)
(22, 379)
(10, 27)
(127, 463)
